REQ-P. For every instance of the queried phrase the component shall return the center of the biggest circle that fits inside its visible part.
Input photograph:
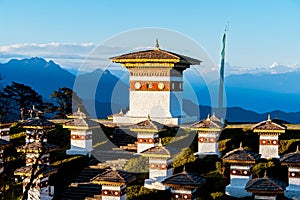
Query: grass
(17, 136)
(66, 160)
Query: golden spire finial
(269, 118)
(208, 117)
(148, 118)
(184, 170)
(121, 111)
(159, 142)
(156, 45)
(265, 175)
(113, 168)
(297, 150)
(241, 145)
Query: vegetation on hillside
(184, 141)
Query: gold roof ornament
(207, 125)
(156, 44)
(269, 118)
(159, 143)
(154, 58)
(77, 114)
(148, 126)
(241, 145)
(269, 127)
(184, 170)
(208, 117)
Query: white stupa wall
(154, 103)
(294, 177)
(208, 143)
(268, 147)
(293, 189)
(183, 194)
(152, 141)
(239, 176)
(160, 168)
(113, 192)
(163, 106)
(82, 139)
(4, 133)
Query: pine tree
(18, 96)
(67, 101)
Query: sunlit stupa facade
(156, 86)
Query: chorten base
(155, 184)
(163, 120)
(78, 151)
(292, 193)
(238, 192)
(5, 137)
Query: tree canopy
(18, 96)
(67, 101)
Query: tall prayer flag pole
(221, 85)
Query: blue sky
(260, 32)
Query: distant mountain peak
(28, 61)
(275, 64)
(36, 72)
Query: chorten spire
(241, 145)
(159, 142)
(208, 117)
(269, 118)
(156, 45)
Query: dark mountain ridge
(105, 93)
(43, 76)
